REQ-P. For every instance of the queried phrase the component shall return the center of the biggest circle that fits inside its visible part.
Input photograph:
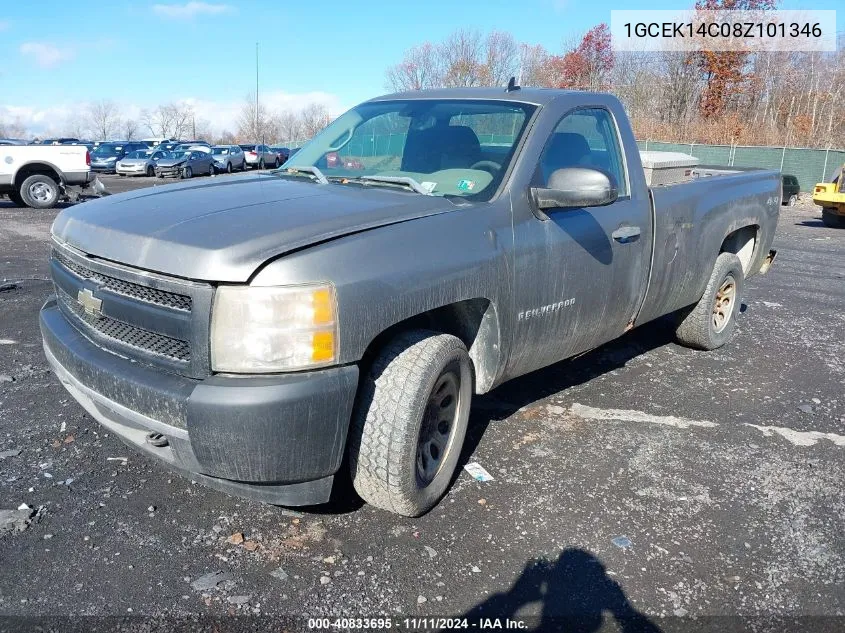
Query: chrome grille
(126, 288)
(136, 337)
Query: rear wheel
(40, 192)
(16, 199)
(833, 220)
(212, 170)
(277, 163)
(793, 200)
(710, 323)
(410, 421)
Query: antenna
(512, 85)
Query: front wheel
(833, 220)
(261, 164)
(39, 192)
(710, 323)
(229, 168)
(151, 171)
(793, 200)
(277, 163)
(410, 421)
(187, 173)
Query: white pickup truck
(39, 176)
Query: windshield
(138, 154)
(217, 151)
(449, 147)
(107, 149)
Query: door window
(585, 138)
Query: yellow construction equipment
(830, 196)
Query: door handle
(625, 234)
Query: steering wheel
(487, 165)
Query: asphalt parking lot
(642, 482)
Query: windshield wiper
(397, 180)
(307, 169)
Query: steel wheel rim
(723, 306)
(438, 425)
(40, 191)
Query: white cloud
(46, 55)
(190, 10)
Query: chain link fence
(808, 165)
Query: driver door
(580, 274)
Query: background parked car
(791, 189)
(186, 164)
(139, 163)
(105, 156)
(228, 157)
(282, 152)
(201, 146)
(167, 146)
(260, 156)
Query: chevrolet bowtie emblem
(91, 303)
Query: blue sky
(142, 53)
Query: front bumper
(170, 172)
(131, 171)
(278, 439)
(104, 168)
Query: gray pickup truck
(259, 332)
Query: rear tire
(40, 192)
(710, 323)
(277, 163)
(833, 220)
(410, 421)
(16, 199)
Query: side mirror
(575, 187)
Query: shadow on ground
(573, 594)
(506, 400)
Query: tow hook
(157, 439)
(767, 263)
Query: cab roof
(536, 96)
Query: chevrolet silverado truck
(39, 176)
(261, 332)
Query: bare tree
(129, 129)
(103, 118)
(419, 69)
(168, 120)
(12, 129)
(502, 59)
(290, 126)
(252, 121)
(460, 54)
(314, 118)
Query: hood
(170, 162)
(133, 161)
(225, 230)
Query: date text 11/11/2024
(415, 624)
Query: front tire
(229, 168)
(833, 220)
(187, 173)
(793, 200)
(151, 171)
(710, 323)
(261, 164)
(40, 192)
(410, 421)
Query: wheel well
(474, 321)
(741, 243)
(30, 169)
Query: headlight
(270, 329)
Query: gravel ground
(643, 481)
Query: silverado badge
(91, 303)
